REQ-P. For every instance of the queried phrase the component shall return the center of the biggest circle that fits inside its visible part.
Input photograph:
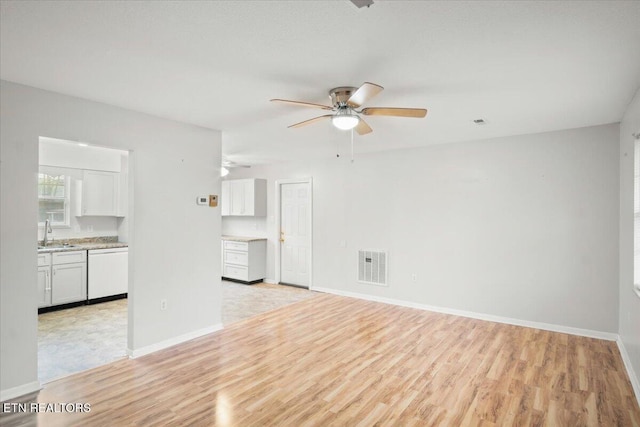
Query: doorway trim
(276, 232)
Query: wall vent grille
(372, 267)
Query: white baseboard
(172, 341)
(270, 281)
(635, 382)
(610, 336)
(12, 393)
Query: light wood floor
(85, 337)
(331, 360)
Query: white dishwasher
(108, 272)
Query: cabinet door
(248, 194)
(44, 286)
(68, 283)
(123, 194)
(99, 193)
(225, 200)
(237, 198)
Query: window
(53, 199)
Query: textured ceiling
(524, 67)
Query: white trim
(276, 237)
(172, 341)
(635, 382)
(21, 390)
(270, 281)
(609, 336)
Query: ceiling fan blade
(231, 164)
(310, 121)
(397, 112)
(363, 94)
(363, 128)
(303, 104)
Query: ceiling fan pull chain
(351, 145)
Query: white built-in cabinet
(245, 261)
(101, 193)
(244, 197)
(62, 278)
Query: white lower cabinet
(68, 283)
(62, 278)
(245, 261)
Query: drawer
(44, 259)
(69, 257)
(233, 257)
(236, 246)
(236, 272)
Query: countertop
(82, 246)
(242, 239)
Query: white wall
(66, 154)
(629, 302)
(522, 227)
(170, 236)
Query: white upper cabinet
(99, 194)
(244, 197)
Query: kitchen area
(83, 198)
(244, 257)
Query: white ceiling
(524, 67)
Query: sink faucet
(47, 230)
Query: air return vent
(372, 267)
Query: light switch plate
(202, 200)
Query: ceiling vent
(372, 267)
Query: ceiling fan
(346, 100)
(229, 164)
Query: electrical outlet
(414, 277)
(163, 304)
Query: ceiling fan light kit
(345, 100)
(345, 121)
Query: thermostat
(203, 200)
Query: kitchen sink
(57, 246)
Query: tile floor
(81, 338)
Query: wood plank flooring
(330, 360)
(85, 337)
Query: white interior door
(295, 233)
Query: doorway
(84, 217)
(294, 227)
